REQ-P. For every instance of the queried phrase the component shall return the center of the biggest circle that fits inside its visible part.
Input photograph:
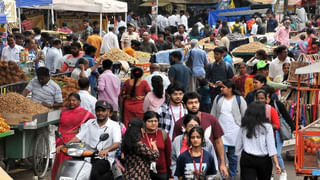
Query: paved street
(24, 174)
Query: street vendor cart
(307, 142)
(30, 139)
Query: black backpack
(236, 29)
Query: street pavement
(27, 174)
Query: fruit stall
(307, 142)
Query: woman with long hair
(195, 163)
(137, 156)
(255, 144)
(229, 107)
(156, 97)
(71, 119)
(180, 143)
(162, 170)
(133, 92)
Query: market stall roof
(290, 2)
(3, 18)
(243, 13)
(98, 6)
(312, 68)
(21, 3)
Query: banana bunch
(315, 139)
(4, 127)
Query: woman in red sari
(133, 92)
(240, 79)
(70, 121)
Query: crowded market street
(159, 89)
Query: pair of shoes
(283, 176)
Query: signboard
(9, 8)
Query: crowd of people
(195, 121)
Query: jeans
(279, 144)
(255, 167)
(232, 159)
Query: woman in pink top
(155, 98)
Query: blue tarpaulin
(27, 3)
(213, 15)
(3, 18)
(163, 56)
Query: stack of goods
(143, 57)
(210, 56)
(4, 127)
(204, 40)
(10, 72)
(17, 103)
(117, 54)
(209, 46)
(68, 85)
(236, 36)
(312, 144)
(297, 37)
(251, 48)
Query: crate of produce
(307, 160)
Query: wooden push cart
(30, 139)
(307, 142)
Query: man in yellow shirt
(96, 41)
(237, 27)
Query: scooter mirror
(58, 134)
(104, 136)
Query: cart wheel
(41, 155)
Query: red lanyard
(194, 163)
(173, 113)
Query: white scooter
(77, 168)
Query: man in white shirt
(83, 70)
(88, 102)
(54, 58)
(155, 71)
(173, 19)
(12, 51)
(127, 37)
(90, 133)
(110, 40)
(275, 67)
(184, 19)
(120, 23)
(163, 22)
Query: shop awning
(3, 18)
(290, 2)
(97, 6)
(149, 4)
(312, 68)
(21, 3)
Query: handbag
(285, 130)
(189, 62)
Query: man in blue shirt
(178, 72)
(196, 59)
(90, 53)
(226, 56)
(272, 23)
